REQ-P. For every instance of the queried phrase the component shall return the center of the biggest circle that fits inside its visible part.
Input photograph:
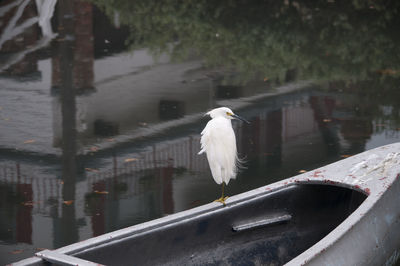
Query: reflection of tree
(18, 34)
(328, 39)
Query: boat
(345, 213)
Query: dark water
(101, 106)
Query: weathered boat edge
(374, 173)
(371, 234)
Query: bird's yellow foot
(221, 200)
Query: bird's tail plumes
(240, 164)
(239, 167)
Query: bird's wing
(219, 142)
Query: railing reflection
(178, 154)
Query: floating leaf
(68, 202)
(17, 251)
(387, 71)
(92, 170)
(345, 155)
(29, 141)
(302, 171)
(130, 160)
(327, 120)
(101, 192)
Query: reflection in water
(169, 109)
(94, 139)
(287, 134)
(276, 39)
(66, 226)
(24, 214)
(25, 11)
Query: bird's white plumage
(218, 141)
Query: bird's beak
(240, 118)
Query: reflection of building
(127, 183)
(146, 178)
(24, 215)
(131, 185)
(355, 129)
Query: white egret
(218, 141)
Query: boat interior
(269, 229)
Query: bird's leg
(222, 198)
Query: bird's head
(226, 113)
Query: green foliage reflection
(321, 39)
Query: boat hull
(342, 214)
